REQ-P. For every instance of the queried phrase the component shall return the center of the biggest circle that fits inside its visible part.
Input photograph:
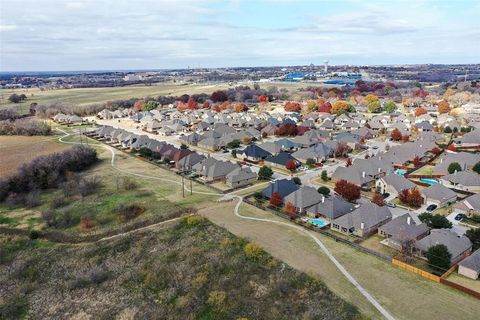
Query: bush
(9, 114)
(32, 199)
(129, 211)
(439, 257)
(253, 251)
(89, 185)
(194, 220)
(58, 201)
(33, 235)
(217, 299)
(258, 195)
(86, 222)
(454, 167)
(265, 173)
(324, 175)
(25, 127)
(128, 184)
(49, 171)
(297, 180)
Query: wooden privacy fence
(461, 288)
(405, 266)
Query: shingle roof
(472, 261)
(438, 192)
(455, 244)
(332, 207)
(369, 214)
(398, 182)
(402, 228)
(304, 197)
(284, 187)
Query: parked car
(375, 147)
(386, 195)
(431, 207)
(459, 217)
(391, 205)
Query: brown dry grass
(17, 150)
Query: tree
(265, 173)
(439, 257)
(342, 149)
(443, 106)
(292, 106)
(447, 129)
(310, 162)
(325, 107)
(390, 106)
(241, 107)
(378, 199)
(416, 161)
(234, 144)
(349, 162)
(311, 105)
(454, 167)
(452, 148)
(262, 99)
(420, 111)
(436, 150)
(347, 190)
(276, 200)
(138, 105)
(150, 105)
(324, 190)
(474, 236)
(324, 175)
(374, 106)
(246, 140)
(15, 98)
(297, 181)
(476, 167)
(290, 209)
(339, 107)
(396, 135)
(192, 104)
(218, 96)
(183, 146)
(411, 197)
(435, 221)
(291, 165)
(371, 98)
(234, 153)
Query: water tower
(326, 66)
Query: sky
(41, 35)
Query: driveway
(459, 229)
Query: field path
(231, 196)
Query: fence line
(425, 274)
(457, 286)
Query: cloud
(7, 27)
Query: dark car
(431, 207)
(386, 195)
(459, 217)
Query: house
(271, 147)
(287, 145)
(470, 139)
(254, 153)
(393, 184)
(362, 221)
(470, 266)
(303, 198)
(284, 187)
(458, 246)
(191, 139)
(187, 162)
(463, 180)
(466, 161)
(319, 152)
(240, 177)
(354, 176)
(214, 170)
(424, 126)
(281, 160)
(213, 144)
(469, 205)
(331, 208)
(439, 195)
(401, 231)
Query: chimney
(441, 160)
(409, 220)
(362, 225)
(380, 158)
(363, 174)
(323, 199)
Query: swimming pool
(318, 222)
(428, 181)
(400, 172)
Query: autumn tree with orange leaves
(276, 200)
(347, 190)
(396, 135)
(420, 111)
(339, 107)
(443, 106)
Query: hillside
(192, 270)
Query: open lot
(405, 295)
(17, 150)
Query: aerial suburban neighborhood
(236, 171)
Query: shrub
(194, 220)
(276, 200)
(32, 199)
(253, 251)
(129, 211)
(128, 183)
(454, 167)
(86, 222)
(476, 167)
(297, 180)
(9, 114)
(265, 173)
(310, 162)
(258, 195)
(217, 299)
(89, 185)
(58, 201)
(324, 175)
(33, 234)
(25, 127)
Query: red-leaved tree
(291, 165)
(276, 200)
(396, 135)
(347, 190)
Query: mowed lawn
(405, 295)
(17, 150)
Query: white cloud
(7, 27)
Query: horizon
(87, 35)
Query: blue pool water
(428, 181)
(318, 222)
(400, 172)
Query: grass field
(17, 150)
(157, 197)
(190, 270)
(404, 294)
(87, 96)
